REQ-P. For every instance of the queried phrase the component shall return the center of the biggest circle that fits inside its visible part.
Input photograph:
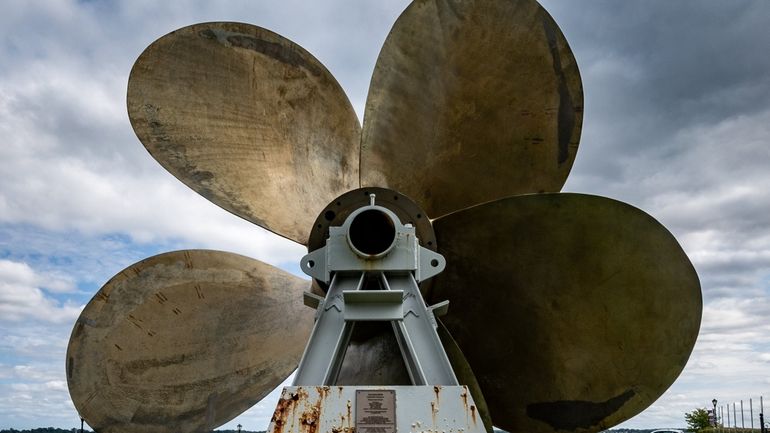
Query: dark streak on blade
(566, 110)
(86, 321)
(202, 178)
(176, 150)
(140, 365)
(284, 54)
(576, 414)
(452, 4)
(211, 409)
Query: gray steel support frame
(398, 301)
(321, 362)
(421, 348)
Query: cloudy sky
(677, 122)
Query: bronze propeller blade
(575, 312)
(247, 119)
(185, 341)
(463, 88)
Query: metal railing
(739, 417)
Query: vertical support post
(743, 422)
(735, 417)
(751, 413)
(722, 416)
(420, 346)
(728, 415)
(325, 351)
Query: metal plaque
(376, 411)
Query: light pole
(716, 421)
(239, 428)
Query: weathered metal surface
(472, 101)
(577, 311)
(418, 409)
(338, 210)
(247, 119)
(400, 249)
(185, 341)
(373, 357)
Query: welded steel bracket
(404, 255)
(373, 245)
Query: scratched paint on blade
(566, 113)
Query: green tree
(697, 420)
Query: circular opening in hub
(372, 232)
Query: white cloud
(35, 404)
(22, 274)
(34, 373)
(22, 298)
(33, 389)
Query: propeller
(563, 304)
(185, 341)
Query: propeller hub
(372, 232)
(372, 238)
